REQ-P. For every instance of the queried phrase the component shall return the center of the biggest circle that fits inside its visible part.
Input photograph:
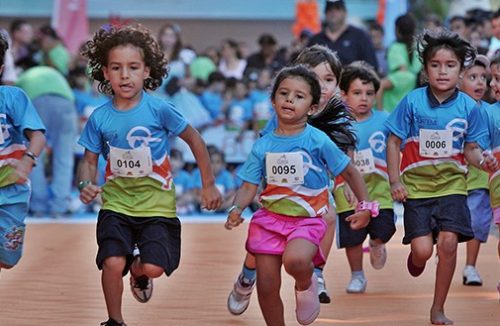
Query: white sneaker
(239, 298)
(471, 276)
(142, 288)
(323, 295)
(378, 255)
(357, 285)
(307, 304)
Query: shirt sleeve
(477, 127)
(398, 121)
(172, 120)
(25, 115)
(252, 170)
(335, 159)
(90, 137)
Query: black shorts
(381, 227)
(431, 215)
(158, 239)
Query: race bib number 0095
(284, 168)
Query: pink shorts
(496, 215)
(269, 233)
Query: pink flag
(69, 19)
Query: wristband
(232, 208)
(372, 206)
(32, 156)
(83, 184)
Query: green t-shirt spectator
(42, 80)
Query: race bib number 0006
(436, 143)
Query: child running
(328, 69)
(436, 128)
(359, 85)
(493, 114)
(21, 142)
(473, 82)
(131, 131)
(294, 160)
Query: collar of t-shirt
(433, 101)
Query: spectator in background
(268, 56)
(21, 33)
(377, 35)
(8, 74)
(261, 102)
(213, 98)
(231, 64)
(53, 52)
(183, 181)
(224, 180)
(458, 24)
(433, 22)
(53, 99)
(350, 43)
(239, 112)
(495, 39)
(404, 65)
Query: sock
(318, 271)
(358, 274)
(249, 274)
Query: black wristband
(32, 156)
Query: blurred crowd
(223, 91)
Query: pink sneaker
(308, 307)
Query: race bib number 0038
(284, 168)
(436, 143)
(364, 161)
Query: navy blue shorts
(158, 239)
(431, 215)
(381, 227)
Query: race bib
(284, 168)
(131, 163)
(364, 161)
(436, 143)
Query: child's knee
(152, 271)
(422, 253)
(294, 264)
(114, 264)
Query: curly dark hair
(431, 41)
(109, 37)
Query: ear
(147, 70)
(313, 109)
(343, 95)
(105, 72)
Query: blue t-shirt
(320, 156)
(240, 111)
(17, 114)
(149, 124)
(183, 181)
(426, 177)
(212, 101)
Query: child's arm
(398, 191)
(25, 165)
(481, 160)
(88, 172)
(210, 196)
(244, 197)
(352, 176)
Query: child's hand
(22, 170)
(359, 220)
(398, 192)
(349, 195)
(211, 198)
(233, 218)
(89, 193)
(489, 163)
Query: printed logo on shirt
(140, 136)
(4, 128)
(459, 127)
(377, 142)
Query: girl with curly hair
(137, 228)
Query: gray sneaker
(357, 285)
(378, 255)
(471, 276)
(239, 298)
(323, 295)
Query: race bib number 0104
(436, 143)
(131, 163)
(284, 168)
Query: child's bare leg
(472, 252)
(326, 243)
(297, 260)
(268, 289)
(250, 261)
(355, 257)
(447, 254)
(421, 248)
(112, 286)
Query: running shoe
(357, 285)
(471, 276)
(378, 255)
(323, 295)
(307, 304)
(239, 298)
